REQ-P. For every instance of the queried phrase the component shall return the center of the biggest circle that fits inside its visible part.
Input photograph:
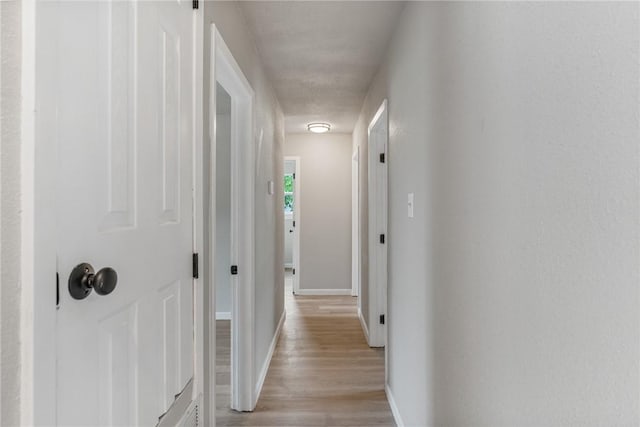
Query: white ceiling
(321, 56)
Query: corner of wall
(10, 210)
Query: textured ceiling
(321, 56)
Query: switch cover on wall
(410, 205)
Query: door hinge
(294, 223)
(382, 239)
(234, 270)
(294, 271)
(196, 4)
(382, 158)
(294, 176)
(57, 290)
(382, 319)
(195, 266)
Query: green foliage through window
(288, 203)
(288, 184)
(288, 193)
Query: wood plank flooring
(322, 373)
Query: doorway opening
(222, 251)
(292, 207)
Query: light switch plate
(410, 205)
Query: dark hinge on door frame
(57, 290)
(294, 223)
(195, 266)
(196, 4)
(382, 319)
(382, 239)
(382, 158)
(294, 271)
(234, 270)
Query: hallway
(456, 184)
(322, 373)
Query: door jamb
(296, 217)
(38, 237)
(226, 71)
(378, 209)
(198, 205)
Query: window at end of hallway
(288, 193)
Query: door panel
(117, 369)
(116, 88)
(288, 241)
(170, 125)
(124, 193)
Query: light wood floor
(322, 373)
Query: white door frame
(38, 228)
(226, 71)
(355, 224)
(378, 187)
(296, 217)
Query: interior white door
(288, 240)
(378, 236)
(124, 200)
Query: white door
(288, 240)
(378, 237)
(124, 200)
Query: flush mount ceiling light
(319, 127)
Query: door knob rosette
(84, 279)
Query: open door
(124, 102)
(292, 207)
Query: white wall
(325, 209)
(269, 123)
(10, 199)
(223, 203)
(513, 293)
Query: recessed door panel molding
(170, 309)
(170, 132)
(117, 109)
(118, 354)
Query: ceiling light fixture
(319, 127)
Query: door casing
(226, 71)
(355, 224)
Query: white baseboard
(223, 315)
(267, 361)
(394, 407)
(364, 325)
(335, 292)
